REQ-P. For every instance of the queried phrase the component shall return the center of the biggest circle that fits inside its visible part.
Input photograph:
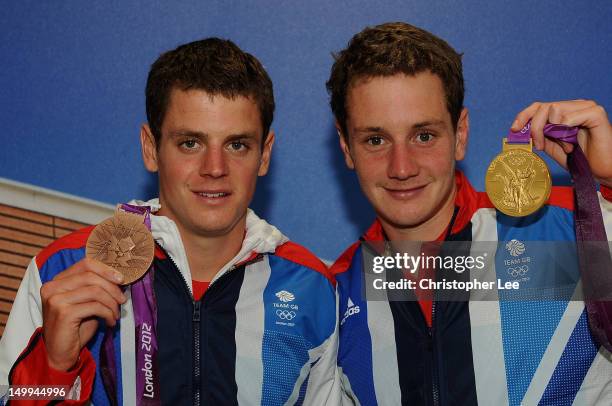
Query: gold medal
(518, 181)
(124, 243)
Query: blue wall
(73, 76)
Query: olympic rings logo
(518, 271)
(285, 314)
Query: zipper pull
(196, 310)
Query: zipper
(196, 318)
(196, 353)
(434, 369)
(435, 378)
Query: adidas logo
(351, 310)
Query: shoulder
(63, 251)
(296, 254)
(344, 261)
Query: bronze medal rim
(135, 221)
(547, 178)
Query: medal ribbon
(145, 320)
(593, 252)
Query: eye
(189, 144)
(375, 140)
(424, 137)
(238, 146)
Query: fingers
(558, 113)
(524, 116)
(80, 281)
(589, 117)
(86, 281)
(538, 121)
(557, 150)
(94, 309)
(68, 301)
(95, 266)
(594, 136)
(556, 109)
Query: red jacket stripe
(300, 255)
(75, 240)
(562, 196)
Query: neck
(208, 254)
(429, 230)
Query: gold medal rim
(141, 227)
(547, 178)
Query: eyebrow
(428, 123)
(249, 136)
(369, 129)
(201, 135)
(416, 126)
(187, 133)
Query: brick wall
(23, 234)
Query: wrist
(59, 365)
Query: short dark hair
(214, 65)
(389, 49)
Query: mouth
(405, 193)
(212, 196)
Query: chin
(212, 231)
(405, 219)
(215, 226)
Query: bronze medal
(124, 243)
(518, 181)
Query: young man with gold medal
(397, 96)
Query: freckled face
(208, 160)
(402, 146)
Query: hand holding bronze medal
(124, 243)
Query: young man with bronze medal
(189, 299)
(397, 96)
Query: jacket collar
(467, 200)
(260, 238)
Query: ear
(345, 147)
(148, 148)
(461, 136)
(266, 154)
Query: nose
(214, 162)
(401, 163)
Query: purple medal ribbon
(145, 320)
(593, 251)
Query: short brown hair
(214, 65)
(389, 49)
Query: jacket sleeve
(23, 356)
(25, 317)
(32, 368)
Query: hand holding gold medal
(518, 190)
(588, 161)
